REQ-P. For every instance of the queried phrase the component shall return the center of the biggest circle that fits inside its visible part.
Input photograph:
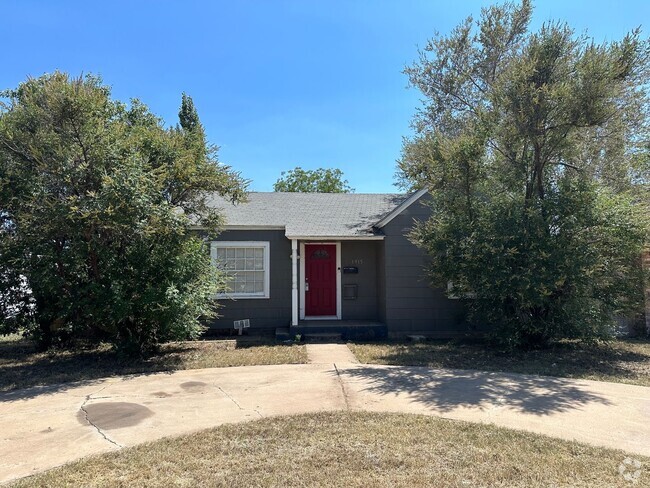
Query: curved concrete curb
(43, 428)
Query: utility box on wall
(350, 292)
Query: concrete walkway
(330, 354)
(44, 427)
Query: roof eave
(242, 227)
(400, 208)
(336, 238)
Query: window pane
(238, 286)
(244, 267)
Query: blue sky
(277, 83)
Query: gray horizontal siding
(412, 305)
(392, 284)
(276, 310)
(271, 312)
(404, 258)
(365, 307)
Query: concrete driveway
(44, 427)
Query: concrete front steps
(333, 330)
(284, 334)
(322, 337)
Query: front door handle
(306, 285)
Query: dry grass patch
(356, 450)
(621, 361)
(21, 366)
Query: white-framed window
(247, 265)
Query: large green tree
(97, 199)
(533, 146)
(321, 180)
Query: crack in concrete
(231, 398)
(95, 393)
(342, 385)
(83, 409)
(237, 403)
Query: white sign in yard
(240, 325)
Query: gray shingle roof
(311, 214)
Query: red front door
(320, 280)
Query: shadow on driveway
(446, 390)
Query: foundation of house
(323, 330)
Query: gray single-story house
(303, 262)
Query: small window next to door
(320, 254)
(246, 265)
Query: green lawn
(352, 450)
(21, 366)
(623, 361)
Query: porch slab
(323, 337)
(349, 329)
(340, 323)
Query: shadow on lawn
(27, 373)
(625, 360)
(445, 390)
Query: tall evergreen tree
(187, 115)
